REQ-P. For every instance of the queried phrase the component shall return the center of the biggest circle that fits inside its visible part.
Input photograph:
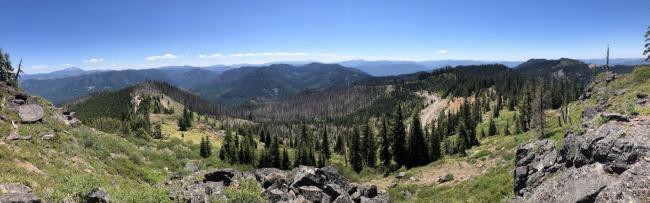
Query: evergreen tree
(205, 147)
(286, 163)
(492, 128)
(326, 144)
(385, 153)
(538, 106)
(262, 136)
(434, 141)
(417, 145)
(6, 69)
(208, 147)
(369, 147)
(461, 145)
(647, 45)
(276, 160)
(517, 124)
(339, 147)
(355, 153)
(399, 139)
(185, 122)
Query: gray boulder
(269, 176)
(311, 193)
(30, 113)
(632, 186)
(19, 198)
(97, 195)
(14, 188)
(275, 195)
(304, 176)
(574, 185)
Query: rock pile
(309, 184)
(201, 185)
(302, 184)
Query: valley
(470, 119)
(324, 101)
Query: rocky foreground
(302, 184)
(608, 162)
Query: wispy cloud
(277, 54)
(166, 56)
(68, 65)
(442, 51)
(217, 55)
(93, 60)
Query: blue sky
(51, 35)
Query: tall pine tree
(417, 145)
(326, 144)
(369, 147)
(384, 152)
(355, 152)
(399, 139)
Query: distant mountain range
(276, 81)
(391, 68)
(224, 85)
(237, 84)
(68, 72)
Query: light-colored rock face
(30, 113)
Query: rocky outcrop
(17, 193)
(314, 185)
(302, 184)
(69, 118)
(608, 162)
(201, 185)
(589, 165)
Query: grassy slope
(81, 158)
(495, 184)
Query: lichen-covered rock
(304, 176)
(269, 176)
(606, 163)
(311, 193)
(631, 186)
(573, 185)
(30, 113)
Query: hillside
(276, 82)
(59, 90)
(223, 85)
(560, 68)
(56, 159)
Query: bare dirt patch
(428, 175)
(28, 166)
